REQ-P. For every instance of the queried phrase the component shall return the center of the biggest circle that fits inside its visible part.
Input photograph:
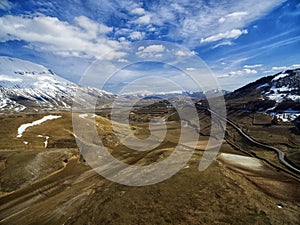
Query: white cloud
(193, 20)
(275, 68)
(44, 33)
(282, 68)
(233, 34)
(242, 72)
(151, 51)
(233, 16)
(185, 53)
(223, 43)
(154, 48)
(188, 21)
(137, 35)
(237, 15)
(123, 60)
(138, 11)
(252, 66)
(122, 39)
(5, 5)
(190, 69)
(222, 20)
(146, 19)
(91, 27)
(250, 71)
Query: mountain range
(26, 86)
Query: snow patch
(263, 85)
(83, 115)
(23, 127)
(279, 206)
(9, 79)
(287, 117)
(242, 161)
(282, 93)
(282, 75)
(46, 141)
(3, 103)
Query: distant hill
(277, 95)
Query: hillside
(277, 95)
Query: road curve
(280, 154)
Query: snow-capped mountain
(194, 95)
(276, 95)
(25, 85)
(163, 95)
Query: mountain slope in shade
(277, 95)
(25, 85)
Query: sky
(240, 41)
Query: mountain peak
(8, 64)
(24, 74)
(26, 85)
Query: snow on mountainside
(278, 95)
(285, 86)
(25, 85)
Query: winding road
(280, 154)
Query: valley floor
(54, 185)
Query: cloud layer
(241, 38)
(85, 38)
(189, 21)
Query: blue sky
(239, 40)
